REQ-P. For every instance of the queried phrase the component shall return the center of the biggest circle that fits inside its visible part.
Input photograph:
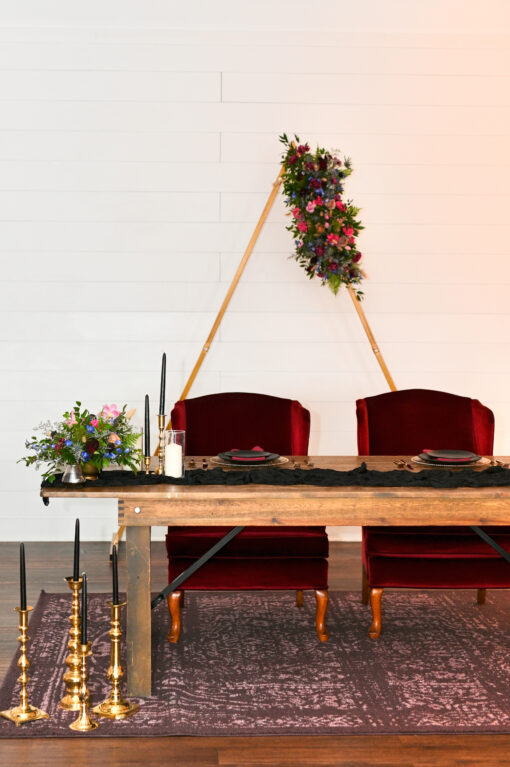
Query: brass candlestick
(161, 444)
(115, 706)
(84, 723)
(24, 712)
(147, 461)
(72, 678)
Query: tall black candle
(147, 432)
(163, 386)
(115, 573)
(84, 609)
(22, 577)
(76, 563)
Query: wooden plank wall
(138, 143)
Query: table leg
(138, 630)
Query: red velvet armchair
(259, 557)
(405, 423)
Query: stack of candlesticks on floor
(77, 697)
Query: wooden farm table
(140, 507)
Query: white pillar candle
(173, 460)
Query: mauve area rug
(251, 664)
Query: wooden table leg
(138, 630)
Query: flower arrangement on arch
(83, 437)
(324, 226)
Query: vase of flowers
(86, 441)
(324, 225)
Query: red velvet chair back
(219, 422)
(409, 421)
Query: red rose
(292, 159)
(91, 445)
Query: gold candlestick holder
(72, 677)
(147, 461)
(161, 444)
(24, 712)
(115, 706)
(84, 723)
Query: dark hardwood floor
(48, 563)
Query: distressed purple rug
(250, 664)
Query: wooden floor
(48, 563)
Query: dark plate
(247, 457)
(449, 457)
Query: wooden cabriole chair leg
(299, 598)
(174, 608)
(364, 586)
(321, 596)
(481, 595)
(375, 604)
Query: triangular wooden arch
(240, 269)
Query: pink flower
(297, 213)
(110, 411)
(311, 206)
(318, 200)
(348, 231)
(94, 422)
(333, 238)
(339, 204)
(302, 226)
(72, 420)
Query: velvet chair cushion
(405, 423)
(219, 422)
(251, 542)
(253, 573)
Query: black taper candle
(163, 386)
(76, 563)
(147, 433)
(84, 609)
(115, 574)
(22, 577)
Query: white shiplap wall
(138, 143)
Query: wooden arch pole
(372, 341)
(233, 285)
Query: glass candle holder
(174, 453)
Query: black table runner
(493, 476)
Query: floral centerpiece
(81, 437)
(324, 226)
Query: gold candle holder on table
(161, 444)
(147, 461)
(24, 712)
(72, 677)
(115, 706)
(84, 723)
